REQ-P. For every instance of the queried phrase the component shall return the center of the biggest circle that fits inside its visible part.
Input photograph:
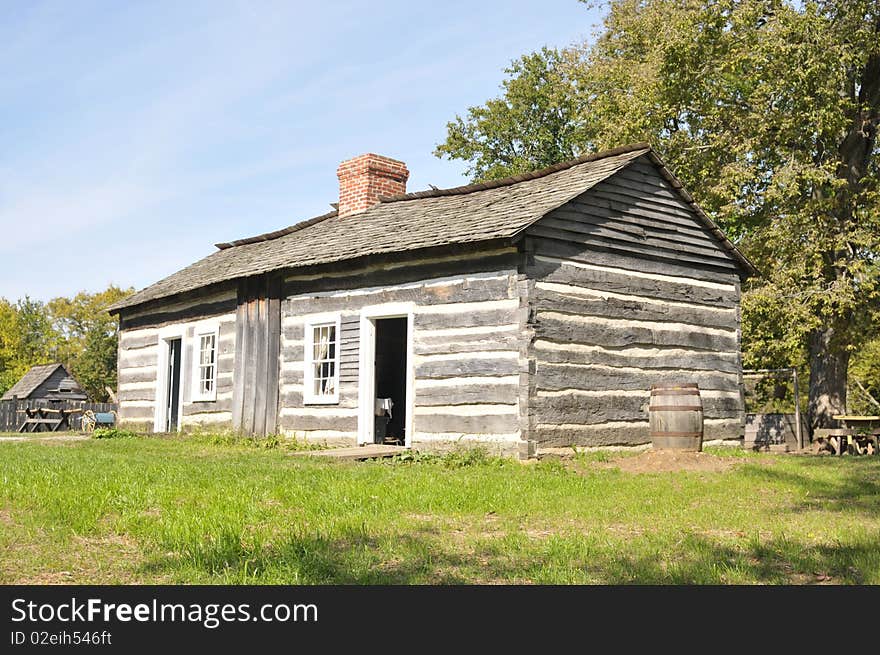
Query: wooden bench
(848, 440)
(37, 417)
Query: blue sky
(135, 135)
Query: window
(206, 367)
(322, 362)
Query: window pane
(207, 359)
(323, 354)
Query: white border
(311, 322)
(165, 335)
(204, 329)
(367, 368)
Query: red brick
(363, 179)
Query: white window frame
(309, 396)
(204, 330)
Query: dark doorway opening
(172, 400)
(391, 338)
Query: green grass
(191, 511)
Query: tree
(86, 338)
(35, 338)
(77, 332)
(535, 123)
(9, 371)
(26, 338)
(95, 368)
(768, 111)
(865, 378)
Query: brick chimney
(363, 179)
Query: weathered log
(453, 291)
(451, 423)
(560, 328)
(452, 368)
(554, 301)
(467, 394)
(558, 271)
(466, 318)
(647, 358)
(587, 410)
(560, 376)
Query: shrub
(462, 457)
(412, 457)
(269, 442)
(457, 458)
(113, 433)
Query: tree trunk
(829, 362)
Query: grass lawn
(154, 510)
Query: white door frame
(167, 334)
(367, 369)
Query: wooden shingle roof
(30, 381)
(479, 212)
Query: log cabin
(528, 312)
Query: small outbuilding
(46, 382)
(534, 310)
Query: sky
(135, 135)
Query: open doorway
(172, 392)
(391, 381)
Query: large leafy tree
(26, 338)
(536, 123)
(9, 339)
(86, 338)
(768, 110)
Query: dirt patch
(106, 559)
(44, 438)
(670, 461)
(430, 518)
(6, 517)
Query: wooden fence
(12, 411)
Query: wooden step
(353, 453)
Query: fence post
(797, 410)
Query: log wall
(630, 290)
(139, 357)
(467, 342)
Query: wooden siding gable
(637, 213)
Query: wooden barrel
(675, 414)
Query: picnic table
(45, 417)
(860, 435)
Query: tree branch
(865, 392)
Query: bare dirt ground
(669, 461)
(44, 437)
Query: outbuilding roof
(35, 376)
(478, 212)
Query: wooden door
(257, 349)
(172, 394)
